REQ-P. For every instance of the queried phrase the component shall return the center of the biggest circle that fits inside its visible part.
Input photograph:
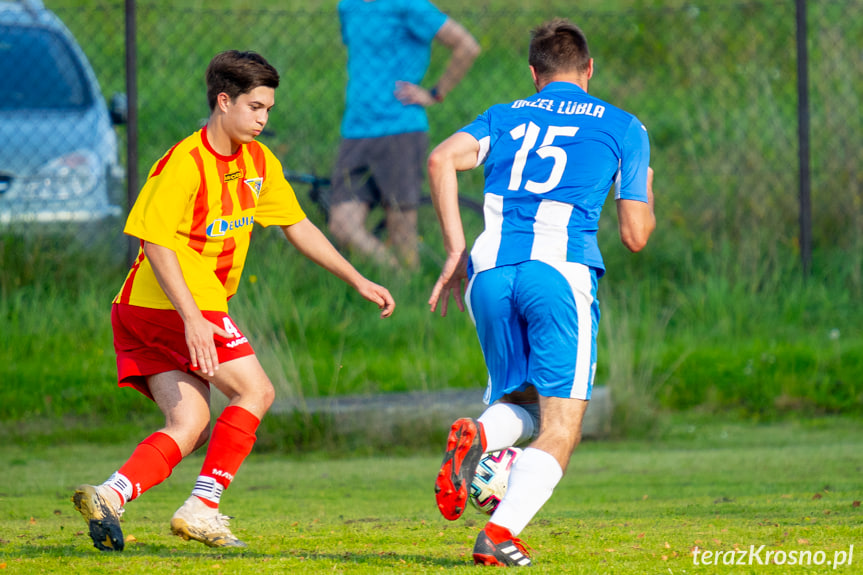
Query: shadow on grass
(158, 552)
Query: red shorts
(152, 341)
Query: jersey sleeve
(159, 208)
(278, 204)
(480, 129)
(424, 19)
(631, 181)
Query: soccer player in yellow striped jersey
(172, 332)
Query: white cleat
(195, 520)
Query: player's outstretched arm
(450, 282)
(636, 220)
(457, 153)
(312, 243)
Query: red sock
(150, 464)
(232, 440)
(496, 533)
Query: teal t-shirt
(387, 41)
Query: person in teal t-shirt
(384, 129)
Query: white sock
(533, 478)
(121, 484)
(505, 425)
(208, 488)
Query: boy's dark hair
(558, 46)
(234, 73)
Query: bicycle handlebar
(306, 178)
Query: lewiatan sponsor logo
(219, 228)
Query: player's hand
(408, 94)
(450, 281)
(202, 348)
(379, 295)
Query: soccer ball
(492, 476)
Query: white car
(59, 159)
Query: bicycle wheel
(428, 229)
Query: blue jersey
(387, 41)
(550, 161)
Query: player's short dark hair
(235, 73)
(558, 46)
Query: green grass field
(625, 507)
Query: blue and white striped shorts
(537, 324)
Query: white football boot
(195, 520)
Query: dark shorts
(387, 170)
(152, 341)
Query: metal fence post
(803, 139)
(132, 125)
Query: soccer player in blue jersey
(550, 161)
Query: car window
(39, 70)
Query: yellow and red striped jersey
(203, 206)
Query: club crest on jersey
(219, 228)
(255, 184)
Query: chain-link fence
(716, 85)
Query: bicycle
(430, 242)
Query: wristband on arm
(438, 97)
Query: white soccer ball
(492, 476)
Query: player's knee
(343, 222)
(338, 230)
(191, 432)
(259, 398)
(267, 396)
